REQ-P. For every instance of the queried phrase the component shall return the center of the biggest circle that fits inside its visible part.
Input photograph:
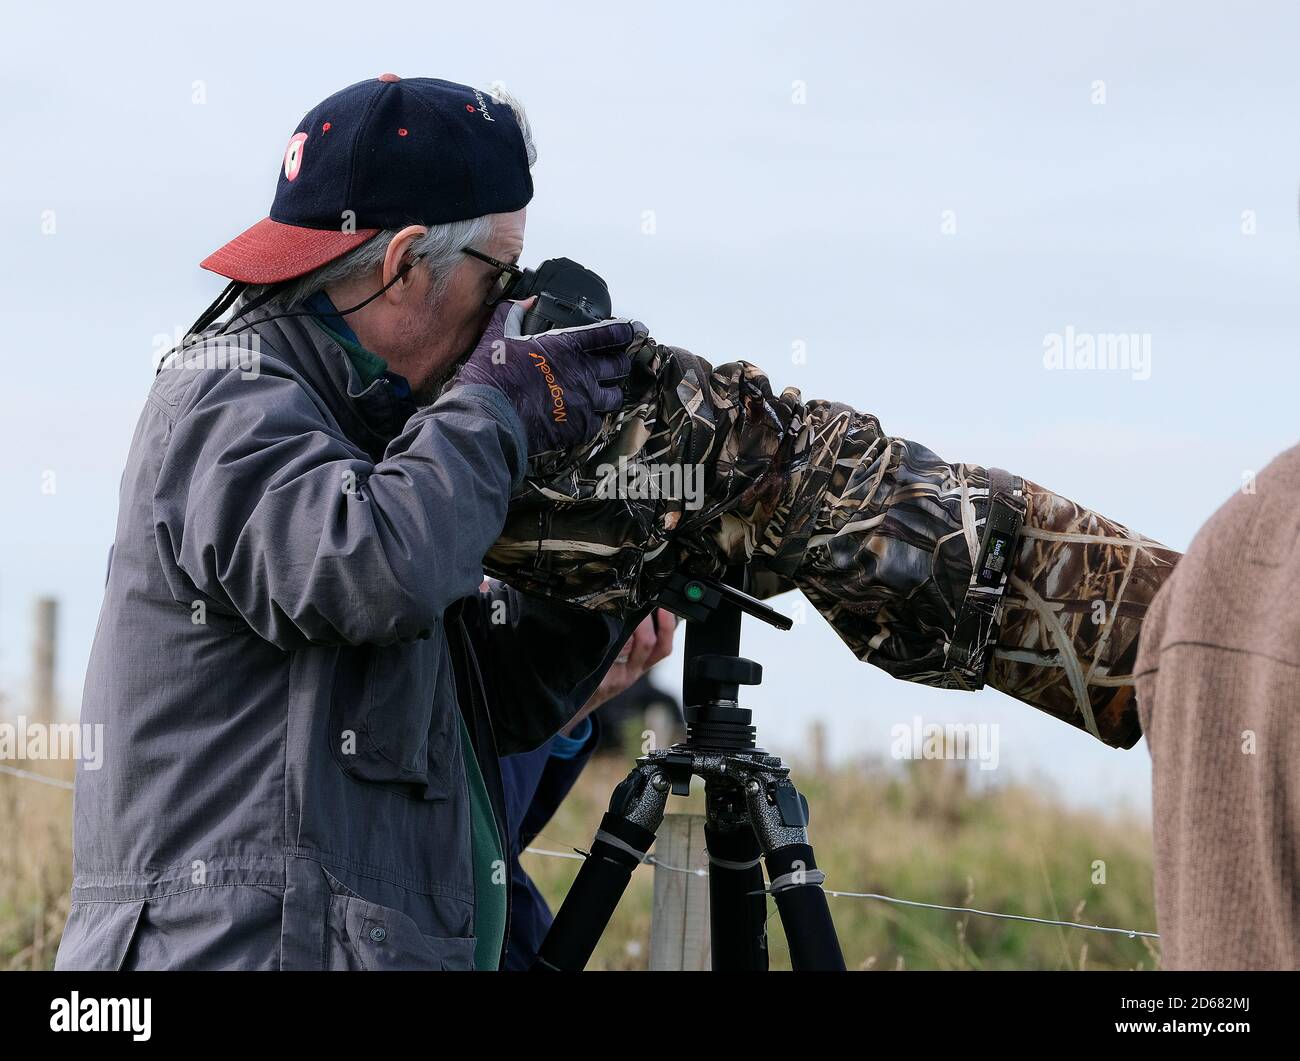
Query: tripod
(752, 808)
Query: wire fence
(27, 775)
(1131, 933)
(581, 855)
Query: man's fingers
(642, 643)
(496, 325)
(615, 332)
(512, 319)
(610, 339)
(607, 366)
(663, 637)
(607, 399)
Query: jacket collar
(369, 366)
(373, 412)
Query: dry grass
(35, 866)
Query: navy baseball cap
(382, 154)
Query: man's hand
(561, 382)
(646, 647)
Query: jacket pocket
(99, 935)
(361, 936)
(392, 718)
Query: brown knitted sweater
(1218, 686)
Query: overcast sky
(917, 195)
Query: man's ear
(398, 255)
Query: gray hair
(439, 248)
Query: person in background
(1218, 690)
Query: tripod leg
(737, 903)
(780, 818)
(626, 832)
(805, 915)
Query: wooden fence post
(679, 925)
(817, 745)
(44, 657)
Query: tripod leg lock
(641, 797)
(778, 812)
(790, 803)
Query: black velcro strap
(976, 628)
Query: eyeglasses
(504, 279)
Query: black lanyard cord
(236, 288)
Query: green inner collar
(369, 366)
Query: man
(303, 695)
(1219, 692)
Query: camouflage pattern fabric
(877, 532)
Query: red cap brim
(271, 251)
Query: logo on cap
(293, 156)
(482, 107)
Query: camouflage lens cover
(706, 467)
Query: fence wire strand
(1131, 933)
(27, 775)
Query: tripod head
(714, 670)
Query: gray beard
(432, 390)
(438, 383)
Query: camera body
(568, 295)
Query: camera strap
(976, 629)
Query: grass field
(915, 832)
(35, 866)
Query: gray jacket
(290, 624)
